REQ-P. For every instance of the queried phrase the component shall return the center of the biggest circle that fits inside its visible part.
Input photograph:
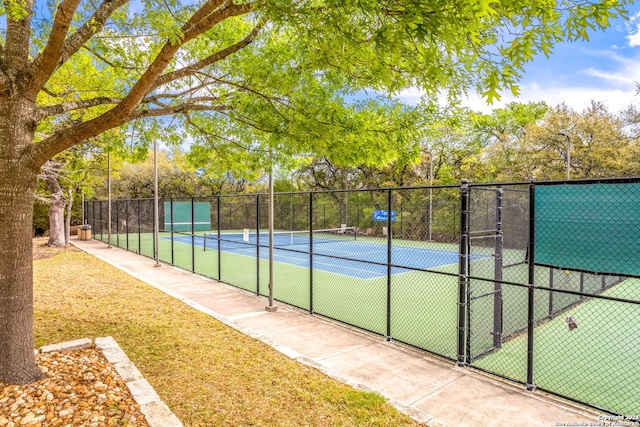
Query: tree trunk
(56, 210)
(17, 186)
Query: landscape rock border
(156, 412)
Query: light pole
(568, 157)
(156, 249)
(109, 199)
(430, 192)
(568, 154)
(430, 153)
(82, 194)
(270, 307)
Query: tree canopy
(267, 70)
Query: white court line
(353, 253)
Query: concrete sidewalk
(428, 388)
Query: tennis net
(287, 238)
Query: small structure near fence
(535, 282)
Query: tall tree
(503, 134)
(64, 178)
(588, 144)
(81, 68)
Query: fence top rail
(586, 181)
(626, 180)
(121, 200)
(351, 190)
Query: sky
(604, 69)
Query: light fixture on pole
(270, 307)
(430, 192)
(430, 153)
(82, 195)
(568, 153)
(156, 249)
(568, 157)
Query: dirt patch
(42, 251)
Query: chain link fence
(536, 283)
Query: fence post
(324, 215)
(311, 252)
(497, 297)
(219, 243)
(531, 284)
(139, 251)
(463, 355)
(139, 230)
(389, 242)
(455, 214)
(172, 227)
(550, 293)
(126, 228)
(117, 224)
(401, 220)
(193, 235)
(257, 245)
(101, 222)
(153, 234)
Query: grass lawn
(209, 374)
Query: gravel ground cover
(80, 389)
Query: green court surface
(597, 363)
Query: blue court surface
(294, 254)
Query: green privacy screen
(591, 227)
(181, 220)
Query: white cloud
(576, 97)
(634, 38)
(624, 77)
(614, 87)
(633, 26)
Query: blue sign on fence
(383, 215)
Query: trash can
(84, 233)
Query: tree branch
(175, 109)
(205, 132)
(74, 42)
(92, 26)
(212, 59)
(65, 107)
(189, 91)
(124, 111)
(46, 61)
(58, 95)
(4, 80)
(106, 61)
(18, 32)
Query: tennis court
(341, 251)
